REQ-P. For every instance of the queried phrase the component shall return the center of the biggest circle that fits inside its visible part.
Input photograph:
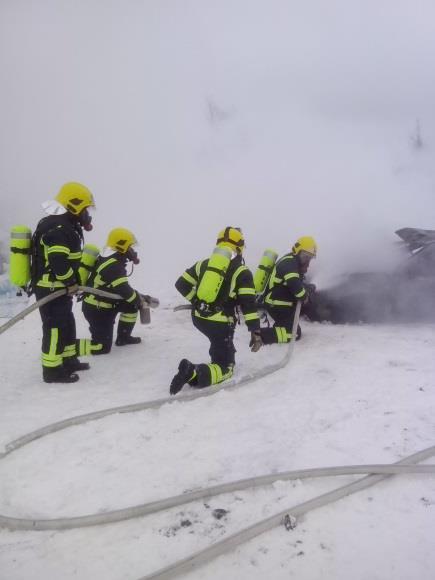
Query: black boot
(73, 364)
(124, 339)
(186, 371)
(58, 375)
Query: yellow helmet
(231, 238)
(306, 244)
(75, 197)
(120, 240)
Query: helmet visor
(305, 257)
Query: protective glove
(255, 343)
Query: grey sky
(282, 117)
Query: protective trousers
(101, 326)
(222, 353)
(58, 329)
(281, 331)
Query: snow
(350, 394)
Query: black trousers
(221, 336)
(222, 353)
(58, 327)
(281, 331)
(102, 322)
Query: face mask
(85, 220)
(132, 255)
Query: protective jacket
(285, 284)
(57, 249)
(110, 274)
(237, 290)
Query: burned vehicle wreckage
(405, 294)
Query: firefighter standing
(217, 320)
(57, 249)
(110, 274)
(284, 288)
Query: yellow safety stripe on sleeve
(128, 317)
(69, 350)
(189, 278)
(132, 297)
(75, 256)
(277, 302)
(291, 275)
(118, 281)
(218, 317)
(282, 334)
(252, 316)
(69, 273)
(191, 294)
(247, 291)
(98, 303)
(301, 293)
(57, 250)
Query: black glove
(255, 343)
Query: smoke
(184, 117)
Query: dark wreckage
(405, 294)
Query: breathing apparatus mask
(131, 255)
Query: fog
(182, 117)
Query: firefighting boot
(73, 364)
(186, 372)
(58, 375)
(124, 335)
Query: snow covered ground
(351, 394)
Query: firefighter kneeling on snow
(110, 274)
(215, 287)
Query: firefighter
(110, 274)
(57, 248)
(284, 288)
(226, 283)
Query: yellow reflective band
(57, 249)
(132, 297)
(247, 291)
(46, 283)
(75, 256)
(252, 316)
(69, 350)
(291, 275)
(301, 293)
(105, 264)
(128, 318)
(189, 278)
(119, 281)
(97, 303)
(65, 276)
(198, 267)
(218, 317)
(232, 292)
(191, 294)
(278, 302)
